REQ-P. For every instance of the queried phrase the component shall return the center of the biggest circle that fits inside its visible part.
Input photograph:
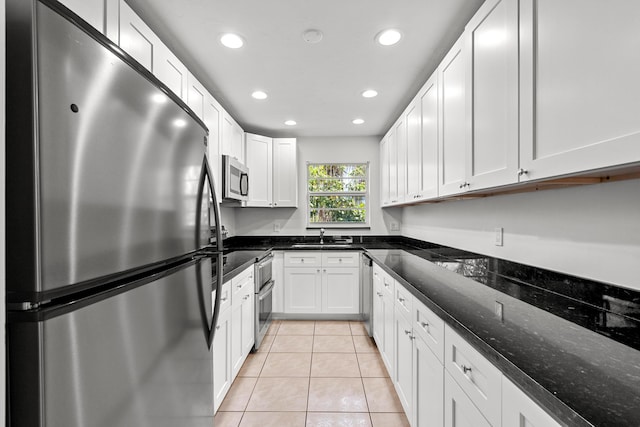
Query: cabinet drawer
(340, 259)
(430, 328)
(403, 300)
(479, 379)
(240, 283)
(225, 296)
(302, 259)
(459, 410)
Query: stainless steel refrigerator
(111, 272)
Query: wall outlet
(276, 227)
(394, 226)
(498, 239)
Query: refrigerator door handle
(206, 178)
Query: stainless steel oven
(264, 298)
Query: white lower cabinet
(428, 383)
(519, 410)
(440, 379)
(459, 410)
(319, 282)
(222, 358)
(234, 335)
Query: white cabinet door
(453, 134)
(247, 329)
(378, 307)
(173, 73)
(491, 46)
(387, 350)
(403, 359)
(236, 339)
(459, 411)
(393, 166)
(519, 410)
(414, 151)
(196, 96)
(213, 118)
(429, 139)
(579, 86)
(259, 157)
(302, 290)
(232, 138)
(285, 173)
(136, 38)
(91, 11)
(428, 386)
(401, 145)
(340, 290)
(222, 358)
(384, 172)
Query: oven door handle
(266, 260)
(266, 290)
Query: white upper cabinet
(232, 143)
(491, 48)
(285, 173)
(136, 38)
(414, 151)
(213, 118)
(260, 164)
(170, 71)
(393, 166)
(384, 171)
(196, 96)
(429, 138)
(453, 134)
(91, 11)
(273, 174)
(579, 86)
(401, 146)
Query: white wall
(260, 221)
(590, 231)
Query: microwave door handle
(244, 184)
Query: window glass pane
(331, 185)
(337, 202)
(337, 216)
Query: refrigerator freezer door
(140, 358)
(117, 163)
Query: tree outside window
(337, 194)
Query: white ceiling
(317, 85)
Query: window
(337, 194)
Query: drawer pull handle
(340, 260)
(401, 299)
(302, 260)
(424, 324)
(407, 332)
(223, 299)
(465, 369)
(379, 294)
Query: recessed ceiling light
(179, 123)
(232, 41)
(290, 123)
(312, 36)
(388, 37)
(357, 121)
(369, 93)
(259, 94)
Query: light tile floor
(313, 374)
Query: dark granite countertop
(235, 261)
(571, 343)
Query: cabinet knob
(401, 299)
(379, 294)
(318, 271)
(424, 324)
(325, 270)
(340, 260)
(465, 369)
(275, 204)
(302, 260)
(407, 332)
(522, 172)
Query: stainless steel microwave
(235, 180)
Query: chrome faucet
(322, 236)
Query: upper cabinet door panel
(452, 149)
(259, 162)
(414, 151)
(136, 38)
(91, 11)
(196, 96)
(491, 39)
(285, 173)
(580, 91)
(170, 71)
(384, 172)
(429, 138)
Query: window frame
(365, 194)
